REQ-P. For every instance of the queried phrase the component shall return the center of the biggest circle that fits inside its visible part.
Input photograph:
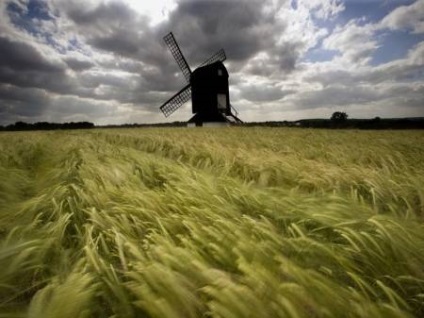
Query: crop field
(231, 222)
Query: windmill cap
(211, 69)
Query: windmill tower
(207, 86)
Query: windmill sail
(178, 55)
(176, 101)
(218, 56)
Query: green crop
(232, 222)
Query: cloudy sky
(104, 61)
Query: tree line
(340, 120)
(22, 126)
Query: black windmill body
(207, 86)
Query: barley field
(232, 222)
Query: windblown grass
(239, 222)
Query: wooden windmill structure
(207, 86)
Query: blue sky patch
(394, 45)
(25, 19)
(319, 55)
(371, 10)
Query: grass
(237, 222)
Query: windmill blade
(176, 101)
(218, 56)
(178, 55)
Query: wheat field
(231, 222)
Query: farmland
(234, 222)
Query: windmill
(207, 86)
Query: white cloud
(409, 17)
(354, 42)
(323, 9)
(157, 10)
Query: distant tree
(339, 117)
(339, 120)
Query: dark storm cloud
(78, 65)
(110, 27)
(150, 100)
(242, 28)
(279, 62)
(286, 55)
(107, 26)
(120, 42)
(22, 65)
(21, 103)
(154, 78)
(112, 12)
(13, 93)
(57, 82)
(121, 64)
(114, 27)
(21, 56)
